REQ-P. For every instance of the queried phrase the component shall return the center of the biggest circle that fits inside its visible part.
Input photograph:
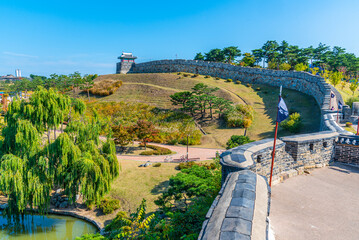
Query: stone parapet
(240, 210)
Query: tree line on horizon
(283, 56)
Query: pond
(38, 227)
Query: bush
(109, 205)
(300, 67)
(293, 124)
(237, 140)
(156, 151)
(272, 65)
(238, 82)
(348, 124)
(206, 76)
(185, 165)
(195, 75)
(229, 80)
(249, 85)
(241, 116)
(157, 165)
(186, 75)
(351, 100)
(179, 73)
(258, 89)
(217, 78)
(147, 153)
(284, 66)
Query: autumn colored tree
(122, 135)
(144, 131)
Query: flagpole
(275, 139)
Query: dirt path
(193, 152)
(321, 205)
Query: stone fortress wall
(242, 207)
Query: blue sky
(44, 37)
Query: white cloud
(19, 55)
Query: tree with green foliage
(248, 60)
(231, 53)
(215, 55)
(74, 161)
(199, 56)
(87, 83)
(335, 78)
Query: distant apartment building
(11, 77)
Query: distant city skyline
(44, 37)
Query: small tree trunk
(88, 94)
(245, 132)
(48, 134)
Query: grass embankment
(155, 89)
(345, 91)
(135, 183)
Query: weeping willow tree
(75, 160)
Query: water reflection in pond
(48, 227)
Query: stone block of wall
(240, 210)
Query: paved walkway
(320, 205)
(193, 152)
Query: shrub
(348, 124)
(272, 65)
(195, 75)
(147, 153)
(186, 75)
(185, 165)
(351, 100)
(238, 115)
(217, 78)
(284, 66)
(238, 82)
(206, 76)
(229, 80)
(300, 67)
(258, 89)
(293, 124)
(109, 205)
(156, 151)
(237, 140)
(179, 73)
(157, 165)
(249, 85)
(105, 87)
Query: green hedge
(157, 150)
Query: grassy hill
(155, 89)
